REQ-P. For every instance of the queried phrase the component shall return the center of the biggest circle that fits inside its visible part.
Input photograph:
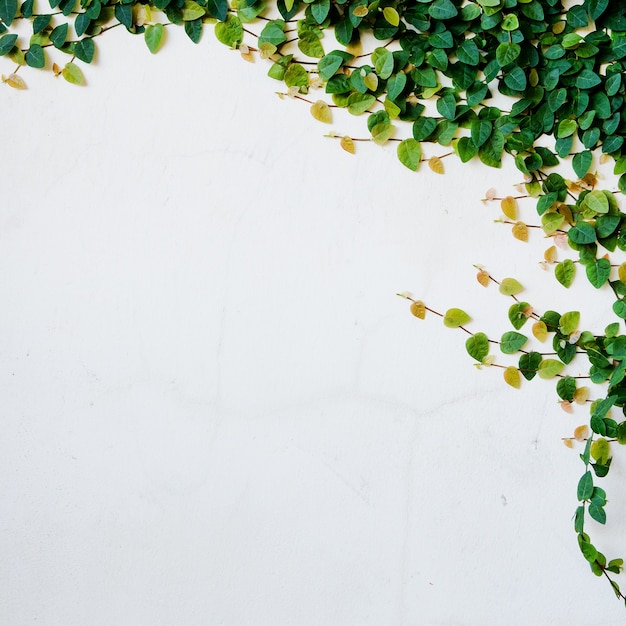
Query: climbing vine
(541, 81)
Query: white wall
(216, 411)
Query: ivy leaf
(85, 49)
(153, 36)
(73, 74)
(585, 486)
(566, 388)
(540, 330)
(506, 53)
(391, 15)
(520, 231)
(442, 10)
(582, 162)
(321, 112)
(512, 341)
(8, 9)
(35, 56)
(347, 144)
(509, 207)
(569, 322)
(410, 153)
(529, 364)
(565, 272)
(598, 272)
(477, 346)
(418, 309)
(383, 62)
(455, 318)
(549, 368)
(510, 287)
(512, 377)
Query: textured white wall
(216, 411)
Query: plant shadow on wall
(541, 81)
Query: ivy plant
(541, 81)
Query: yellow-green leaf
(391, 15)
(73, 74)
(540, 331)
(410, 153)
(510, 287)
(192, 11)
(512, 377)
(455, 318)
(601, 451)
(549, 368)
(321, 112)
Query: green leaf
(229, 32)
(506, 53)
(598, 272)
(516, 79)
(455, 318)
(383, 62)
(579, 519)
(327, 65)
(549, 368)
(35, 56)
(58, 36)
(597, 513)
(7, 42)
(582, 233)
(446, 105)
(569, 322)
(490, 153)
(582, 162)
(124, 15)
(566, 128)
(595, 201)
(587, 79)
(589, 552)
(518, 314)
(85, 49)
(442, 10)
(466, 149)
(320, 10)
(274, 32)
(192, 11)
(529, 364)
(512, 341)
(477, 346)
(585, 486)
(8, 9)
(481, 131)
(153, 36)
(410, 153)
(359, 103)
(296, 76)
(218, 9)
(566, 388)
